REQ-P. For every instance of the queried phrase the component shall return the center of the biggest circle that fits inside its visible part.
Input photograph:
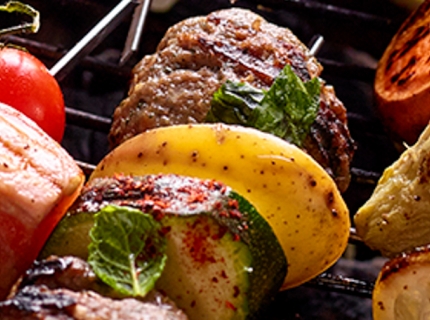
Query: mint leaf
(234, 103)
(286, 110)
(289, 107)
(127, 250)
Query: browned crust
(404, 260)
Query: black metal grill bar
(87, 120)
(47, 51)
(327, 11)
(331, 67)
(102, 124)
(366, 177)
(348, 71)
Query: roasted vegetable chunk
(396, 218)
(402, 290)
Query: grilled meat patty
(196, 56)
(64, 288)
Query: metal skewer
(316, 44)
(92, 39)
(135, 32)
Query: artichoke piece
(396, 218)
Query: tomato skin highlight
(27, 85)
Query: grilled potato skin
(402, 86)
(295, 195)
(396, 218)
(402, 289)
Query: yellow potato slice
(296, 196)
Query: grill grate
(383, 21)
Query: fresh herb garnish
(234, 103)
(127, 250)
(286, 110)
(26, 27)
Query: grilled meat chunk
(64, 272)
(40, 302)
(67, 288)
(196, 56)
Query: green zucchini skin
(218, 244)
(70, 237)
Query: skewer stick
(135, 32)
(93, 38)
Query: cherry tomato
(27, 85)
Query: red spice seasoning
(230, 305)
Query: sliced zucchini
(70, 237)
(224, 261)
(207, 277)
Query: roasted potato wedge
(296, 196)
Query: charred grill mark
(405, 79)
(266, 73)
(317, 144)
(248, 59)
(67, 288)
(397, 77)
(44, 268)
(391, 59)
(415, 16)
(420, 33)
(66, 272)
(299, 67)
(329, 143)
(33, 299)
(40, 302)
